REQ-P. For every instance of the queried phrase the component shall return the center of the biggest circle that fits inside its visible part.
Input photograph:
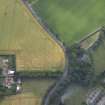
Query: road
(54, 94)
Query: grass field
(22, 35)
(79, 95)
(33, 91)
(71, 19)
(76, 96)
(99, 58)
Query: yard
(33, 91)
(22, 35)
(71, 19)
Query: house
(11, 72)
(4, 71)
(8, 72)
(5, 60)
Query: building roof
(5, 60)
(11, 72)
(18, 88)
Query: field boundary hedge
(39, 74)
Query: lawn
(71, 19)
(22, 35)
(33, 91)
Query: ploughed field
(21, 34)
(33, 92)
(70, 19)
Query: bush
(40, 74)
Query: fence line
(90, 34)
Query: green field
(33, 92)
(71, 19)
(21, 34)
(76, 96)
(99, 58)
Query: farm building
(102, 101)
(94, 97)
(7, 67)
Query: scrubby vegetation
(40, 74)
(80, 65)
